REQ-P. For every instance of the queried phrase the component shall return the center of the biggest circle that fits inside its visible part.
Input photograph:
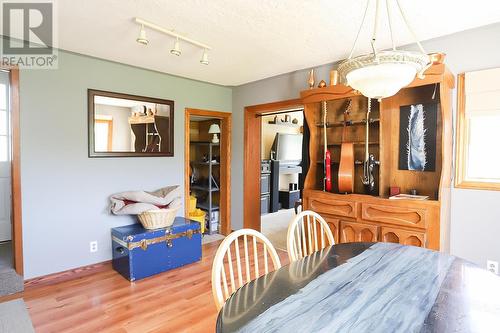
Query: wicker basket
(158, 218)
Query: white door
(5, 158)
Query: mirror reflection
(126, 125)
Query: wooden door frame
(225, 171)
(16, 215)
(252, 157)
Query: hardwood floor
(176, 301)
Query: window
(478, 130)
(4, 125)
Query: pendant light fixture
(382, 74)
(204, 58)
(177, 49)
(142, 39)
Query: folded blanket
(136, 202)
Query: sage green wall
(65, 193)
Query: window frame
(462, 140)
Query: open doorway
(273, 134)
(11, 259)
(281, 172)
(207, 171)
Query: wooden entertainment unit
(359, 217)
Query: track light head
(176, 50)
(204, 58)
(142, 39)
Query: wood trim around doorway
(225, 171)
(252, 157)
(17, 233)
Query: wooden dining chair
(234, 258)
(306, 235)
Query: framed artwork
(417, 137)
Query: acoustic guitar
(327, 181)
(346, 167)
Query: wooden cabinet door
(333, 223)
(357, 232)
(405, 237)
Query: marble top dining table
(368, 287)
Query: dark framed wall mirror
(123, 125)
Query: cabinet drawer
(333, 207)
(405, 237)
(411, 217)
(357, 232)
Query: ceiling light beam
(171, 33)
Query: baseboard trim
(70, 274)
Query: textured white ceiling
(251, 39)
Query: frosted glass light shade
(382, 75)
(381, 80)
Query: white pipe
(171, 33)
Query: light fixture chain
(390, 24)
(359, 30)
(375, 28)
(410, 29)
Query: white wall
(475, 219)
(64, 192)
(269, 131)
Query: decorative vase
(311, 79)
(334, 77)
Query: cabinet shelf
(357, 143)
(206, 206)
(203, 143)
(284, 124)
(204, 188)
(349, 123)
(206, 163)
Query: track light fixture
(176, 50)
(142, 39)
(204, 58)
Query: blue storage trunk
(139, 252)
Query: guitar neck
(346, 120)
(324, 109)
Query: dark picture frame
(92, 93)
(417, 136)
